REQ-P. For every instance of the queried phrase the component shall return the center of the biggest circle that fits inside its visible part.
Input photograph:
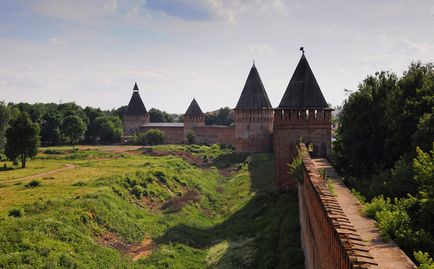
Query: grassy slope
(239, 222)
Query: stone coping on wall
(351, 243)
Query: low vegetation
(200, 206)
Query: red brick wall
(328, 238)
(172, 135)
(214, 134)
(253, 130)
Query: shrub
(424, 260)
(376, 205)
(32, 184)
(154, 137)
(190, 137)
(16, 213)
(139, 139)
(53, 151)
(137, 191)
(296, 168)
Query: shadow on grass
(265, 233)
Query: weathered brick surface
(132, 123)
(172, 135)
(329, 240)
(214, 134)
(291, 127)
(253, 130)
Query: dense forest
(384, 149)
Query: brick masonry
(329, 239)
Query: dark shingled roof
(136, 106)
(194, 109)
(303, 91)
(253, 95)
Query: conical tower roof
(303, 90)
(194, 109)
(253, 95)
(136, 106)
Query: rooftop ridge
(253, 95)
(194, 109)
(303, 90)
(135, 106)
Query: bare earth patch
(135, 251)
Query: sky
(93, 51)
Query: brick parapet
(329, 239)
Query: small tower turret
(136, 114)
(193, 117)
(253, 116)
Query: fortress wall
(214, 134)
(172, 135)
(329, 240)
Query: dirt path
(387, 254)
(55, 171)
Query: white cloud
(57, 41)
(421, 47)
(111, 6)
(256, 50)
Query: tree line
(384, 149)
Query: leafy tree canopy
(22, 139)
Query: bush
(139, 139)
(190, 137)
(154, 137)
(296, 168)
(137, 191)
(16, 213)
(376, 205)
(32, 184)
(53, 151)
(424, 260)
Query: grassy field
(161, 207)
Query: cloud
(185, 9)
(111, 6)
(57, 41)
(256, 50)
(220, 10)
(84, 12)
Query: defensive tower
(193, 117)
(253, 116)
(303, 115)
(135, 114)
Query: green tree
(108, 129)
(4, 121)
(22, 139)
(156, 115)
(73, 129)
(223, 116)
(50, 128)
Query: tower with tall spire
(193, 117)
(253, 116)
(303, 115)
(136, 114)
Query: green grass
(238, 222)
